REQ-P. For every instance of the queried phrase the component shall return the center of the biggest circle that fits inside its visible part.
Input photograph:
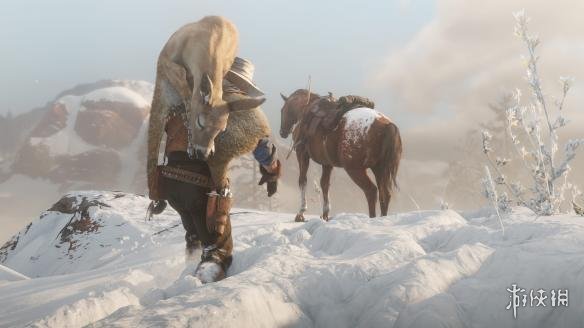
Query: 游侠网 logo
(520, 297)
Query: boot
(209, 271)
(211, 268)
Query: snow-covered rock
(91, 135)
(84, 231)
(418, 269)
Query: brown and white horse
(364, 139)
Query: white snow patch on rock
(66, 140)
(117, 94)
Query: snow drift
(419, 269)
(7, 274)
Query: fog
(466, 58)
(432, 66)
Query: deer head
(208, 116)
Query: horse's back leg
(383, 186)
(360, 177)
(303, 163)
(325, 182)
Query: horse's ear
(245, 104)
(284, 97)
(206, 88)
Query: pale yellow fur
(204, 47)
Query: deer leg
(325, 182)
(360, 177)
(303, 163)
(219, 175)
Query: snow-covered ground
(418, 269)
(7, 274)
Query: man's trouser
(190, 201)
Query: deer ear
(245, 104)
(283, 97)
(206, 88)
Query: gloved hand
(271, 177)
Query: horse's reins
(292, 147)
(294, 143)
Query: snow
(7, 274)
(42, 252)
(143, 88)
(362, 116)
(358, 121)
(417, 269)
(208, 272)
(67, 141)
(118, 94)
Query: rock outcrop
(92, 136)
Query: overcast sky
(49, 46)
(433, 66)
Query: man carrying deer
(207, 104)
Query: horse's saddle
(326, 112)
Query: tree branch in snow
(536, 148)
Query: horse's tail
(391, 152)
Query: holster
(218, 207)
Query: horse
(363, 139)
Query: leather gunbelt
(175, 173)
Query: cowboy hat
(241, 76)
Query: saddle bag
(347, 103)
(331, 121)
(314, 125)
(327, 112)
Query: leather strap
(178, 174)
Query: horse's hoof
(325, 217)
(299, 218)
